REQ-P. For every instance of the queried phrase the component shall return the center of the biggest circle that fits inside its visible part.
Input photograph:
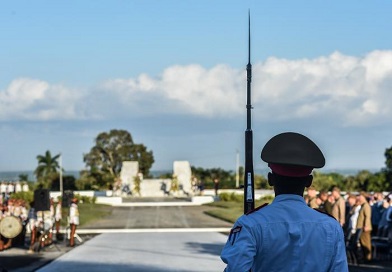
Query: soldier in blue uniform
(287, 235)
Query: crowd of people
(17, 208)
(8, 188)
(364, 217)
(40, 225)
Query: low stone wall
(155, 187)
(158, 188)
(259, 193)
(56, 194)
(115, 200)
(200, 200)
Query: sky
(173, 74)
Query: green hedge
(231, 197)
(26, 196)
(86, 199)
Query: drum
(45, 220)
(10, 227)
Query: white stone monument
(182, 169)
(129, 171)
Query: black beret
(292, 148)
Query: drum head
(10, 227)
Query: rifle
(249, 202)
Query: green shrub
(26, 196)
(231, 197)
(267, 198)
(174, 186)
(224, 196)
(236, 197)
(86, 199)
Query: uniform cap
(290, 170)
(292, 154)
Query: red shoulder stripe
(256, 209)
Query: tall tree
(388, 159)
(69, 183)
(23, 177)
(111, 149)
(226, 178)
(323, 182)
(47, 168)
(388, 167)
(377, 183)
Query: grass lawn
(90, 212)
(229, 211)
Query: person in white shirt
(58, 216)
(73, 220)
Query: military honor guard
(287, 235)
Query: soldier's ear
(308, 181)
(270, 179)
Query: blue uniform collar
(285, 197)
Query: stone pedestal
(129, 171)
(182, 170)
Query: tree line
(104, 161)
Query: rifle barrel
(249, 203)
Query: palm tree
(23, 177)
(47, 168)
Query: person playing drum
(32, 218)
(1, 217)
(7, 212)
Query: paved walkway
(145, 252)
(162, 238)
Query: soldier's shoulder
(257, 209)
(325, 213)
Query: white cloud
(31, 99)
(189, 89)
(347, 90)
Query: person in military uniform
(287, 235)
(312, 193)
(365, 224)
(339, 206)
(321, 200)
